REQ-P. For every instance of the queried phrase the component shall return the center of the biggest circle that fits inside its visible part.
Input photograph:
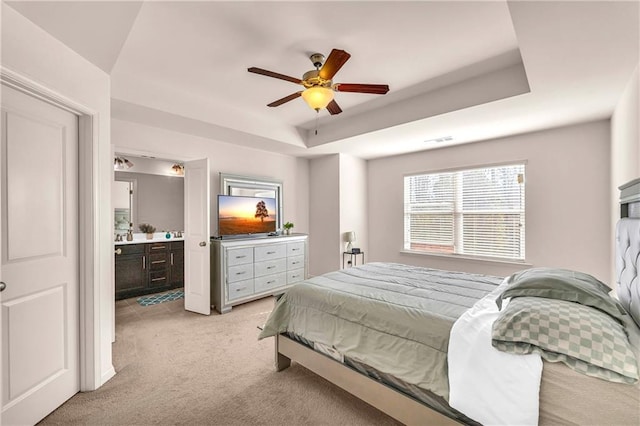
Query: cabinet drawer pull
(295, 276)
(241, 257)
(294, 263)
(144, 262)
(158, 279)
(158, 261)
(158, 247)
(271, 252)
(241, 272)
(240, 289)
(270, 267)
(295, 249)
(271, 282)
(171, 259)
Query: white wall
(567, 194)
(325, 243)
(35, 55)
(625, 146)
(353, 200)
(134, 138)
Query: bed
(382, 331)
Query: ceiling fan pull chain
(317, 115)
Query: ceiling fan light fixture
(318, 97)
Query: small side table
(353, 258)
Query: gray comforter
(395, 318)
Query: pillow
(585, 339)
(563, 284)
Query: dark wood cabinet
(130, 270)
(176, 263)
(148, 268)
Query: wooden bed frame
(386, 399)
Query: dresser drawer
(240, 272)
(157, 261)
(275, 251)
(158, 278)
(239, 256)
(295, 249)
(269, 282)
(295, 276)
(157, 247)
(130, 248)
(240, 289)
(295, 262)
(270, 267)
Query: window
(477, 212)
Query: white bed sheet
(487, 385)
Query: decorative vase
(287, 231)
(150, 236)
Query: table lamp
(351, 237)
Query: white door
(197, 288)
(40, 305)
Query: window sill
(469, 258)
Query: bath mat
(154, 299)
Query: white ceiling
(471, 70)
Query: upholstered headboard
(627, 265)
(628, 248)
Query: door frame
(88, 224)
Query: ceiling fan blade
(376, 89)
(334, 62)
(285, 99)
(274, 75)
(333, 108)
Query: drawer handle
(295, 276)
(158, 247)
(271, 252)
(240, 273)
(294, 263)
(158, 279)
(271, 282)
(144, 262)
(158, 261)
(270, 267)
(172, 259)
(295, 249)
(240, 289)
(241, 257)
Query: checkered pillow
(586, 339)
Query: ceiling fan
(318, 83)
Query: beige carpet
(176, 367)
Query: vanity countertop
(142, 239)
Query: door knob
(119, 251)
(2, 286)
(202, 243)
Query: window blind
(478, 212)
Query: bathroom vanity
(148, 266)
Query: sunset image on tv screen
(246, 215)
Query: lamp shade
(317, 97)
(351, 236)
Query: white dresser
(247, 269)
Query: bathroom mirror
(250, 186)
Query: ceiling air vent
(439, 140)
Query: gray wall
(158, 200)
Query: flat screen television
(239, 215)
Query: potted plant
(147, 229)
(287, 228)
